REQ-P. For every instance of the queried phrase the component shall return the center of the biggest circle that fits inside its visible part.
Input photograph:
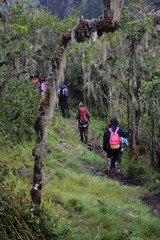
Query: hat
(62, 85)
(80, 104)
(114, 121)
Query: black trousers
(63, 103)
(114, 155)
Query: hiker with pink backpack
(112, 143)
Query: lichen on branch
(108, 22)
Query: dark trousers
(63, 103)
(84, 134)
(114, 155)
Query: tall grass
(75, 204)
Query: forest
(53, 185)
(89, 9)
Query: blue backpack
(64, 92)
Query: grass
(75, 204)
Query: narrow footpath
(95, 145)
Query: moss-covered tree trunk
(108, 22)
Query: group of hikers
(114, 138)
(40, 84)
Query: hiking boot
(68, 113)
(107, 170)
(86, 140)
(118, 170)
(81, 137)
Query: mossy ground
(75, 204)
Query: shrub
(19, 106)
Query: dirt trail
(95, 145)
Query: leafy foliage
(25, 51)
(102, 75)
(119, 76)
(17, 223)
(19, 107)
(71, 207)
(89, 9)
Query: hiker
(43, 87)
(43, 79)
(63, 94)
(32, 76)
(123, 144)
(83, 117)
(36, 83)
(112, 144)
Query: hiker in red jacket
(112, 144)
(83, 117)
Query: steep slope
(75, 203)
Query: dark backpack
(83, 118)
(64, 92)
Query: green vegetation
(25, 51)
(71, 195)
(89, 9)
(19, 114)
(117, 75)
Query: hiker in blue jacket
(63, 94)
(113, 153)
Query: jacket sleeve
(106, 140)
(123, 134)
(88, 115)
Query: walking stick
(91, 128)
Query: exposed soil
(154, 202)
(95, 145)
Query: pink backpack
(43, 86)
(115, 139)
